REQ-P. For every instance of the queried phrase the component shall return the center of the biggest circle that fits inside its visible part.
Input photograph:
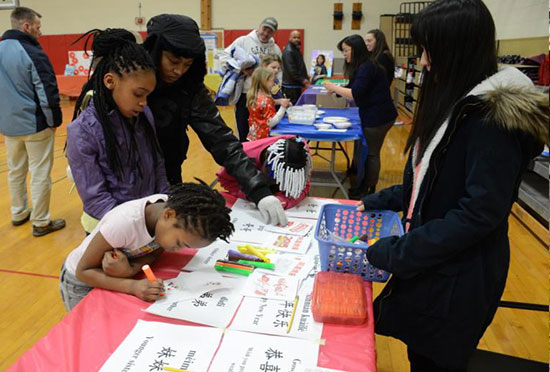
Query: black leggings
(375, 139)
(241, 116)
(420, 363)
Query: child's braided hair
(199, 207)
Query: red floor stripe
(27, 273)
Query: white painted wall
(513, 18)
(516, 19)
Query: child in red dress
(261, 106)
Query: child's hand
(116, 264)
(285, 102)
(148, 291)
(360, 206)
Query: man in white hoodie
(258, 42)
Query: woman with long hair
(474, 132)
(180, 100)
(378, 46)
(370, 90)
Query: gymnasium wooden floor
(29, 267)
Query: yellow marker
(244, 249)
(175, 369)
(293, 313)
(253, 251)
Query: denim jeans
(72, 290)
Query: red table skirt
(70, 86)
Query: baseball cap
(271, 23)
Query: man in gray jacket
(29, 115)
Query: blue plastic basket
(338, 223)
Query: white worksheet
(287, 243)
(153, 345)
(292, 265)
(206, 257)
(191, 285)
(272, 286)
(211, 308)
(307, 208)
(261, 315)
(251, 352)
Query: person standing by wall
(377, 45)
(29, 116)
(258, 42)
(295, 76)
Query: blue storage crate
(338, 223)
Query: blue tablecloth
(309, 132)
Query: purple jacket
(97, 184)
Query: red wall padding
(58, 46)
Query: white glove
(272, 211)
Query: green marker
(354, 239)
(233, 270)
(261, 265)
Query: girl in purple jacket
(112, 148)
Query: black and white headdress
(289, 164)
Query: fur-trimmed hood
(514, 103)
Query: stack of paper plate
(335, 119)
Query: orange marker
(150, 275)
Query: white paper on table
(211, 308)
(319, 369)
(263, 284)
(307, 208)
(187, 286)
(206, 257)
(295, 226)
(287, 243)
(250, 228)
(153, 345)
(273, 316)
(292, 265)
(251, 352)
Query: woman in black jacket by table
(369, 89)
(474, 132)
(180, 99)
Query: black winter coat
(449, 270)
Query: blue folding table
(335, 136)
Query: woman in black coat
(180, 99)
(475, 130)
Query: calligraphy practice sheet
(251, 352)
(307, 208)
(292, 265)
(273, 316)
(211, 308)
(206, 257)
(287, 243)
(191, 285)
(150, 346)
(263, 284)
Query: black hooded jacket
(187, 102)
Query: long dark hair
(459, 39)
(115, 50)
(381, 45)
(359, 55)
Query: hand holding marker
(150, 275)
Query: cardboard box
(331, 101)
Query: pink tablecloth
(92, 331)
